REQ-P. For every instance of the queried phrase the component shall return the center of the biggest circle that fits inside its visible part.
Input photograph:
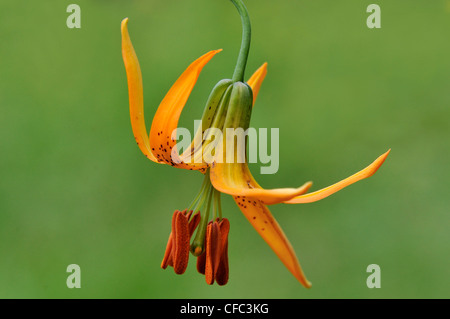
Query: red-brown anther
(167, 259)
(177, 249)
(180, 250)
(222, 273)
(213, 251)
(213, 263)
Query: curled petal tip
(214, 52)
(256, 80)
(124, 23)
(377, 163)
(308, 184)
(300, 276)
(387, 153)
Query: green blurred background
(74, 187)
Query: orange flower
(229, 106)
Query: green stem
(239, 71)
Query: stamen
(167, 259)
(213, 251)
(213, 263)
(180, 250)
(222, 273)
(210, 244)
(170, 248)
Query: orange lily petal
(235, 179)
(325, 192)
(135, 92)
(267, 227)
(256, 80)
(169, 111)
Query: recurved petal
(166, 118)
(325, 192)
(267, 227)
(235, 179)
(256, 80)
(135, 92)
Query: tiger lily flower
(229, 106)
